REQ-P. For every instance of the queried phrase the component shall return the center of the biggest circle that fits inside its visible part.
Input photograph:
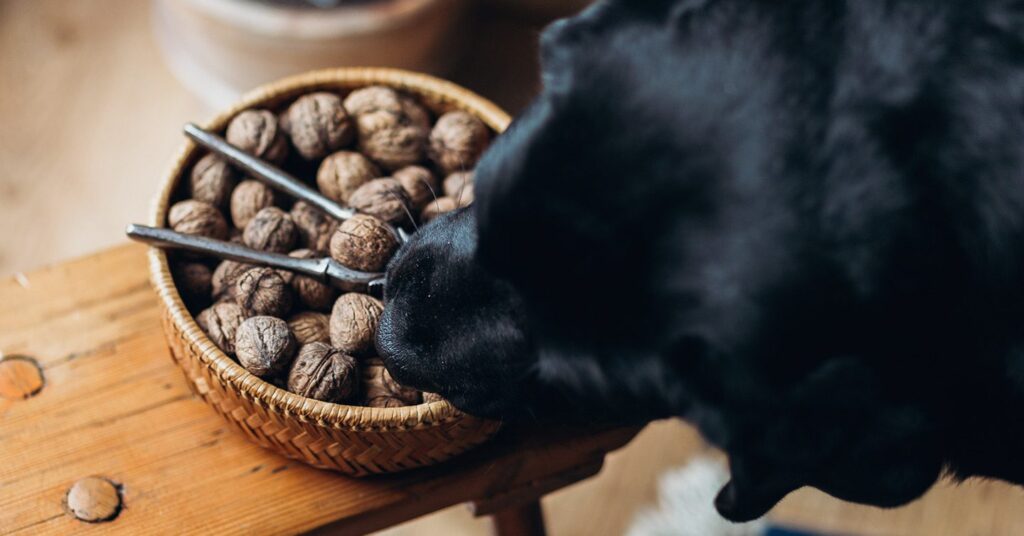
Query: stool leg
(523, 520)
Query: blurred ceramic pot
(542, 9)
(220, 48)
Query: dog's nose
(385, 343)
(399, 358)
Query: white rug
(685, 505)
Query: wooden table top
(112, 404)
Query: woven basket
(354, 440)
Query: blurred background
(93, 94)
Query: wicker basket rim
(257, 390)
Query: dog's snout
(400, 360)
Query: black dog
(798, 224)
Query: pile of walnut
(377, 151)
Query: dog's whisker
(406, 209)
(431, 190)
(437, 205)
(462, 188)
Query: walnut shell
(197, 218)
(323, 373)
(249, 197)
(384, 99)
(224, 277)
(373, 99)
(263, 291)
(364, 243)
(220, 322)
(436, 208)
(419, 184)
(309, 326)
(318, 124)
(382, 391)
(389, 141)
(342, 173)
(393, 129)
(457, 141)
(312, 293)
(354, 322)
(313, 226)
(459, 186)
(271, 229)
(415, 114)
(258, 133)
(384, 198)
(212, 180)
(432, 397)
(194, 281)
(264, 345)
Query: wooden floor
(91, 117)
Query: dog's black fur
(798, 224)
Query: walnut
(438, 207)
(312, 293)
(364, 243)
(419, 184)
(393, 129)
(212, 181)
(271, 229)
(384, 198)
(457, 141)
(432, 397)
(373, 99)
(390, 143)
(220, 322)
(416, 114)
(257, 133)
(382, 391)
(194, 281)
(263, 291)
(224, 277)
(354, 323)
(313, 226)
(459, 186)
(264, 345)
(318, 124)
(342, 172)
(249, 197)
(309, 326)
(197, 218)
(323, 373)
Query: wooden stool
(97, 426)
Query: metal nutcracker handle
(272, 175)
(326, 270)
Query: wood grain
(20, 377)
(114, 405)
(91, 117)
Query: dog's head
(547, 295)
(710, 211)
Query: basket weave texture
(350, 439)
